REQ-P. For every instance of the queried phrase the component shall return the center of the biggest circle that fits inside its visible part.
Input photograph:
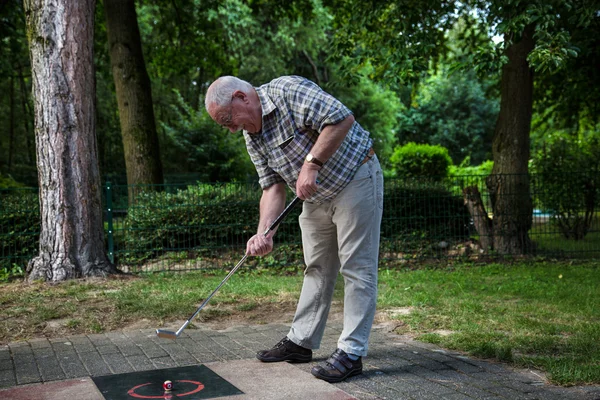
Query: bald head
(220, 92)
(234, 104)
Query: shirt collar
(265, 101)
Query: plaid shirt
(294, 112)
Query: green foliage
(465, 169)
(17, 147)
(452, 111)
(420, 160)
(421, 211)
(567, 170)
(7, 182)
(19, 228)
(196, 143)
(7, 273)
(377, 110)
(201, 216)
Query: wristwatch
(312, 159)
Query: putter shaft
(162, 333)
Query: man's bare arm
(272, 203)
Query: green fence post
(109, 217)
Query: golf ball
(168, 386)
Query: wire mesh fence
(200, 225)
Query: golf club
(174, 335)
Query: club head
(161, 333)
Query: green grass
(544, 315)
(549, 240)
(539, 314)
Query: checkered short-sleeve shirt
(294, 112)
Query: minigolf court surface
(232, 380)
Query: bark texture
(509, 182)
(60, 34)
(481, 220)
(134, 94)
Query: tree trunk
(60, 34)
(509, 182)
(481, 220)
(134, 95)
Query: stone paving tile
(141, 363)
(26, 370)
(130, 349)
(164, 362)
(99, 339)
(117, 363)
(107, 349)
(71, 364)
(7, 378)
(5, 360)
(94, 363)
(48, 364)
(20, 348)
(82, 344)
(396, 367)
(39, 343)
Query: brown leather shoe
(338, 367)
(285, 350)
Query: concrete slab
(80, 389)
(275, 381)
(258, 381)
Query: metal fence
(199, 225)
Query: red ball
(168, 386)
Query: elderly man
(299, 135)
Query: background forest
(502, 89)
(188, 43)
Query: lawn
(544, 315)
(540, 314)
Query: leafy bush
(206, 216)
(420, 160)
(426, 209)
(7, 182)
(465, 169)
(19, 227)
(567, 174)
(201, 216)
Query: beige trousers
(341, 236)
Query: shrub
(201, 216)
(567, 172)
(19, 227)
(420, 160)
(427, 210)
(465, 169)
(7, 182)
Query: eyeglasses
(225, 122)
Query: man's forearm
(272, 203)
(330, 139)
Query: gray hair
(221, 90)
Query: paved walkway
(396, 368)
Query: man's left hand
(306, 185)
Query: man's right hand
(259, 245)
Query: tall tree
(60, 34)
(401, 38)
(134, 94)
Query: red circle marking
(132, 392)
